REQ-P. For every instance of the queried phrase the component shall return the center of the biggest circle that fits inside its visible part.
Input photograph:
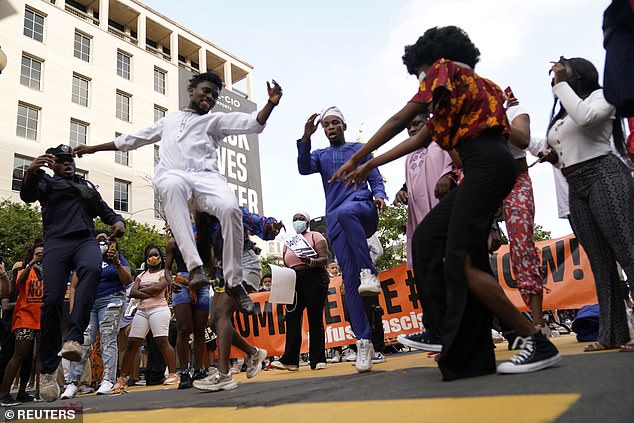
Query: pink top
(290, 259)
(423, 168)
(149, 279)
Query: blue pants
(61, 255)
(350, 225)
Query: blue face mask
(300, 226)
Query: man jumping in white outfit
(187, 176)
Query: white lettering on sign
(233, 164)
(247, 197)
(240, 141)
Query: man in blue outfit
(351, 216)
(69, 205)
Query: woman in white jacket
(601, 187)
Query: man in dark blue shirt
(69, 205)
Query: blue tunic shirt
(326, 162)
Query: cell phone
(508, 92)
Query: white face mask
(103, 248)
(300, 226)
(421, 76)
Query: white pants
(208, 192)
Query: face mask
(421, 76)
(300, 226)
(153, 261)
(103, 247)
(266, 288)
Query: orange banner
(570, 285)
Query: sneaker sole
(363, 369)
(509, 368)
(215, 388)
(71, 355)
(366, 292)
(418, 345)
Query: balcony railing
(158, 52)
(125, 37)
(81, 15)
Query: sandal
(597, 346)
(627, 347)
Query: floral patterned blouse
(463, 104)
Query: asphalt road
(585, 387)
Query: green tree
(391, 233)
(137, 236)
(20, 223)
(541, 234)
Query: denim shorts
(183, 297)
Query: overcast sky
(348, 53)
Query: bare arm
(275, 94)
(521, 131)
(80, 150)
(386, 132)
(136, 293)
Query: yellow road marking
(515, 408)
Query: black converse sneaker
(536, 352)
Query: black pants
(456, 227)
(80, 252)
(311, 289)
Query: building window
(158, 208)
(121, 157)
(33, 25)
(80, 90)
(31, 72)
(27, 121)
(123, 64)
(121, 195)
(156, 155)
(19, 169)
(82, 46)
(159, 113)
(78, 133)
(159, 80)
(123, 106)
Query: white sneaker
(369, 283)
(349, 355)
(336, 357)
(365, 354)
(216, 382)
(320, 366)
(70, 391)
(254, 362)
(105, 388)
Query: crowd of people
(465, 161)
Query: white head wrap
(303, 213)
(332, 111)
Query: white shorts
(156, 318)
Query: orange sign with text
(569, 285)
